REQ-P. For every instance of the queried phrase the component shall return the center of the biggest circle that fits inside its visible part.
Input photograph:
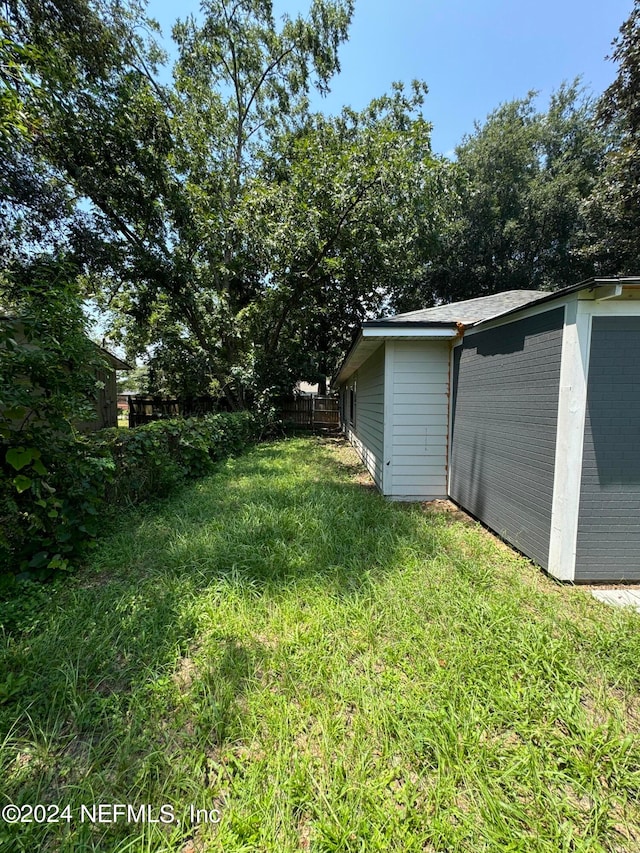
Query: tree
(164, 172)
(613, 210)
(346, 210)
(289, 226)
(235, 236)
(515, 198)
(48, 377)
(73, 70)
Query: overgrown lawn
(324, 670)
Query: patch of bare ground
(305, 832)
(184, 674)
(364, 479)
(112, 686)
(604, 703)
(506, 739)
(268, 641)
(448, 508)
(348, 461)
(308, 739)
(96, 579)
(580, 801)
(625, 826)
(194, 845)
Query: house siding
(367, 433)
(608, 541)
(505, 410)
(419, 428)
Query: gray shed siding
(608, 542)
(505, 411)
(366, 432)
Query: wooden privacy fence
(316, 412)
(142, 410)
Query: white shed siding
(420, 416)
(367, 434)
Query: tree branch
(341, 223)
(264, 76)
(144, 72)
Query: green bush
(49, 517)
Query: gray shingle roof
(468, 311)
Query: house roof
(467, 311)
(114, 361)
(448, 321)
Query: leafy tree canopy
(613, 210)
(234, 236)
(514, 200)
(276, 227)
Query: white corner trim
(387, 422)
(565, 507)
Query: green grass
(330, 671)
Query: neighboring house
(523, 407)
(106, 398)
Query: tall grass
(325, 671)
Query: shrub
(51, 516)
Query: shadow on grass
(220, 626)
(114, 652)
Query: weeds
(325, 671)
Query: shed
(106, 393)
(106, 403)
(523, 407)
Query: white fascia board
(360, 352)
(615, 308)
(613, 292)
(432, 332)
(620, 291)
(372, 338)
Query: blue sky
(473, 54)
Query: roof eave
(374, 333)
(115, 362)
(385, 322)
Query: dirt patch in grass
(185, 673)
(348, 461)
(603, 704)
(448, 508)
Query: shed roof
(467, 311)
(448, 321)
